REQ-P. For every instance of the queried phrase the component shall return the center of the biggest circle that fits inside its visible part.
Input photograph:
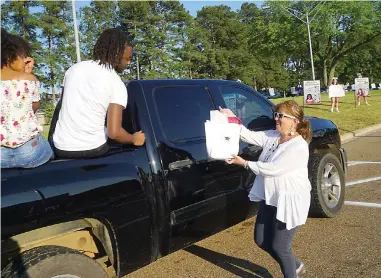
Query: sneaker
(331, 109)
(358, 103)
(366, 103)
(301, 270)
(337, 109)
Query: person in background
(281, 185)
(335, 91)
(93, 90)
(362, 93)
(22, 144)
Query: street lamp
(307, 21)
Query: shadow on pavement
(236, 266)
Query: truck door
(256, 114)
(198, 188)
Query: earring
(292, 132)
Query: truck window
(182, 112)
(253, 112)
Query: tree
(95, 18)
(57, 38)
(337, 31)
(157, 32)
(17, 18)
(226, 48)
(342, 30)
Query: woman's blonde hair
(293, 109)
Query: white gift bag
(222, 138)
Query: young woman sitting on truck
(92, 90)
(22, 144)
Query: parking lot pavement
(346, 246)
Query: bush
(48, 108)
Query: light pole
(307, 22)
(76, 31)
(309, 40)
(137, 60)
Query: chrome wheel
(331, 185)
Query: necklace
(275, 145)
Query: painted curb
(347, 137)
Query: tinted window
(182, 112)
(253, 112)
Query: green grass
(45, 132)
(350, 118)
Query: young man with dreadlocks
(93, 89)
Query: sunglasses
(282, 115)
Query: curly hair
(12, 46)
(110, 46)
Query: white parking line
(353, 163)
(362, 181)
(363, 204)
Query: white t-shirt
(282, 175)
(89, 88)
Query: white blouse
(282, 175)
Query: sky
(193, 6)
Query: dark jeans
(272, 236)
(83, 154)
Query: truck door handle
(180, 164)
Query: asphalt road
(346, 246)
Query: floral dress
(18, 122)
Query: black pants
(83, 154)
(272, 236)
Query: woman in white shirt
(281, 186)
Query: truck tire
(328, 185)
(53, 261)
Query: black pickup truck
(111, 215)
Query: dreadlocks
(110, 46)
(12, 46)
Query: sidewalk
(350, 136)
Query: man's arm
(115, 130)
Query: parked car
(267, 94)
(110, 215)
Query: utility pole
(137, 59)
(76, 31)
(309, 40)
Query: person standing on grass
(93, 90)
(281, 185)
(335, 91)
(22, 144)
